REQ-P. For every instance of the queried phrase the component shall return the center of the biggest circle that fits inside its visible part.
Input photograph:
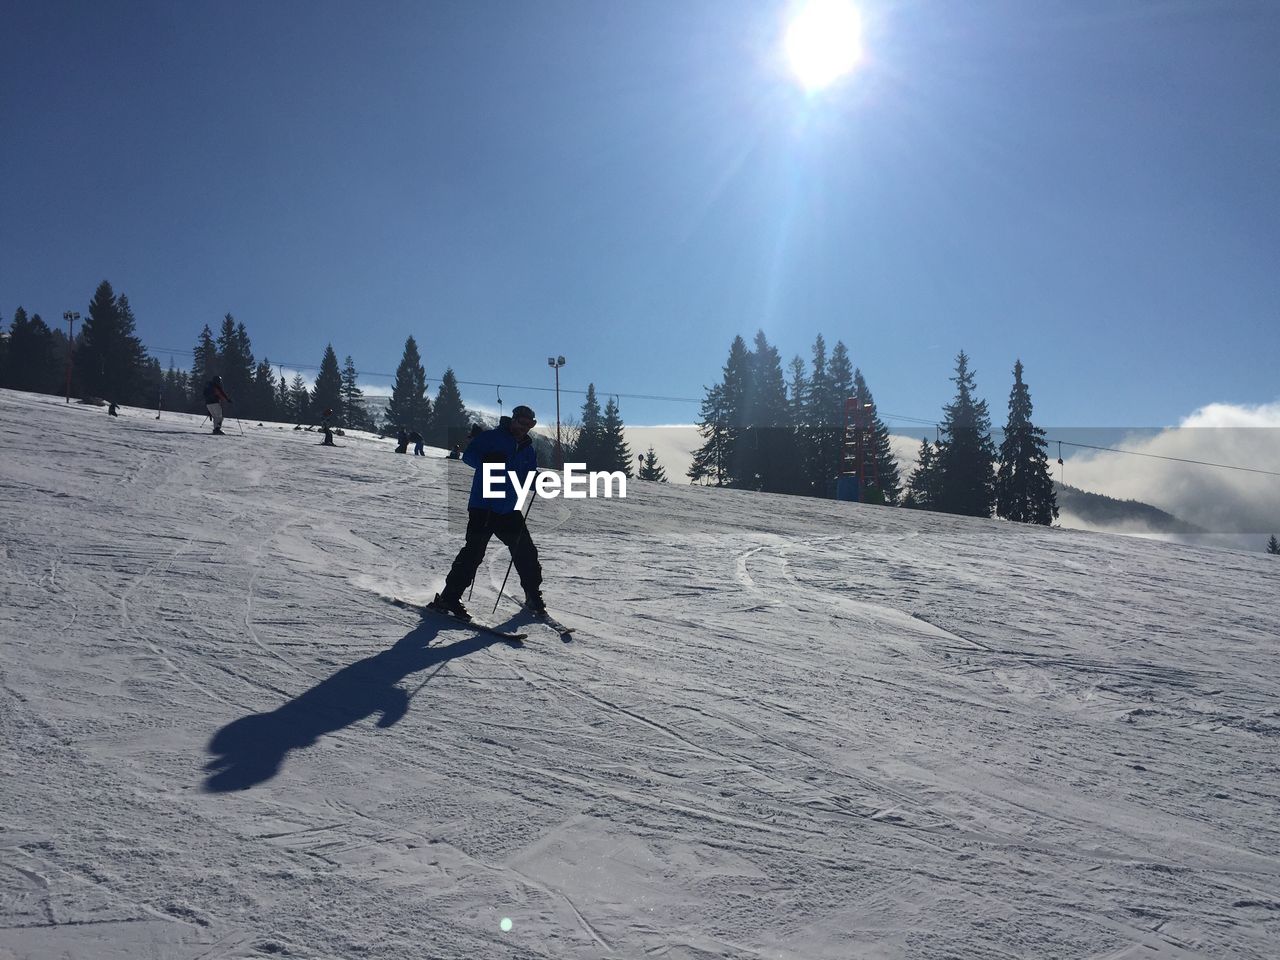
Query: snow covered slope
(786, 728)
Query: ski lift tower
(858, 469)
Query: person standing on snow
(214, 398)
(328, 430)
(508, 444)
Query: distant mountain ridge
(1102, 511)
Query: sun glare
(824, 42)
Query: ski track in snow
(783, 728)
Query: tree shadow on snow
(252, 749)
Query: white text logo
(576, 484)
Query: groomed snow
(786, 728)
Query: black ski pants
(511, 530)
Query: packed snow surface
(784, 728)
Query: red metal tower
(858, 453)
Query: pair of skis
(513, 637)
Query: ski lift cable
(1156, 456)
(475, 383)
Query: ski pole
(519, 540)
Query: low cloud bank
(1221, 501)
(1235, 508)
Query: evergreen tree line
(761, 430)
(442, 423)
(108, 359)
(598, 439)
(963, 472)
(257, 393)
(764, 431)
(109, 362)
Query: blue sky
(1090, 186)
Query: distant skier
(455, 453)
(328, 430)
(214, 398)
(508, 444)
(416, 439)
(113, 409)
(402, 441)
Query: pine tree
(62, 348)
(284, 403)
(204, 367)
(616, 450)
(327, 393)
(151, 383)
(235, 364)
(409, 406)
(886, 464)
(827, 394)
(768, 442)
(4, 353)
(1273, 545)
(651, 469)
(819, 437)
(1024, 486)
(840, 377)
(111, 358)
(176, 391)
(709, 460)
(299, 406)
(250, 405)
(729, 454)
(736, 397)
(32, 365)
(263, 392)
(797, 480)
(352, 412)
(449, 416)
(967, 452)
(923, 485)
(590, 445)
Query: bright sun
(824, 42)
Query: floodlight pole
(71, 316)
(557, 363)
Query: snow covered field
(786, 728)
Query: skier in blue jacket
(508, 444)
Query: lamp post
(557, 363)
(71, 316)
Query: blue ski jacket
(498, 445)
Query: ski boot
(450, 608)
(534, 603)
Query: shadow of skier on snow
(252, 749)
